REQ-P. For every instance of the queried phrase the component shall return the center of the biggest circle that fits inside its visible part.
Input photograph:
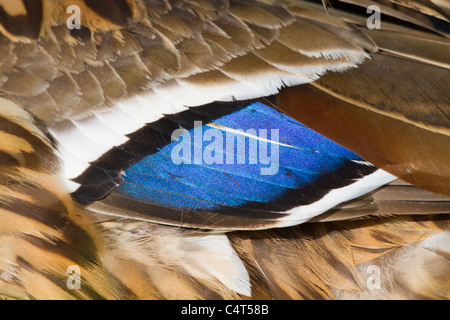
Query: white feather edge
(438, 242)
(212, 256)
(99, 132)
(360, 187)
(85, 140)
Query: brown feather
(332, 260)
(256, 15)
(371, 135)
(18, 80)
(397, 198)
(424, 6)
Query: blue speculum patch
(210, 166)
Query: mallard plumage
(118, 156)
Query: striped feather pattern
(39, 219)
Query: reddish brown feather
(396, 146)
